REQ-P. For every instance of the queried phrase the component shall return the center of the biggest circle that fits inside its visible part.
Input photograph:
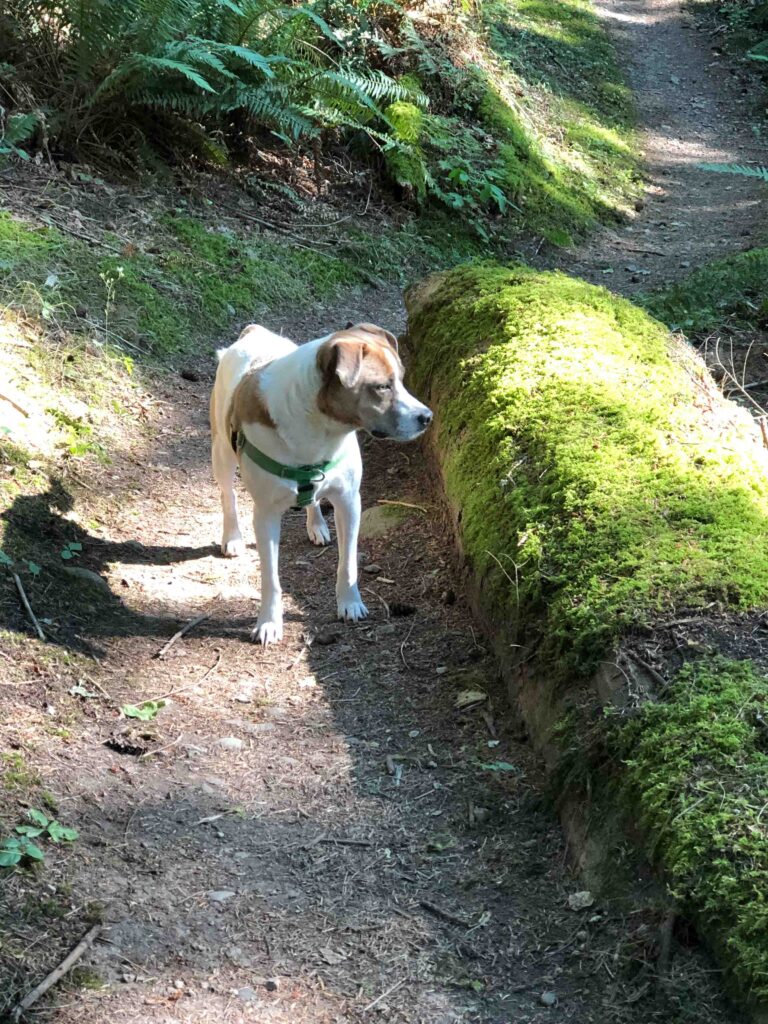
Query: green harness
(305, 476)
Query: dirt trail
(693, 108)
(314, 832)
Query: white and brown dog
(288, 415)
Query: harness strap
(307, 477)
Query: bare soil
(316, 831)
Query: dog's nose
(425, 418)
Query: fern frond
(740, 169)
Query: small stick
(665, 944)
(388, 992)
(182, 632)
(652, 672)
(402, 504)
(16, 406)
(344, 842)
(57, 974)
(443, 914)
(763, 430)
(28, 607)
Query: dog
(288, 415)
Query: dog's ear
(341, 356)
(361, 330)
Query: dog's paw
(268, 632)
(233, 548)
(352, 609)
(319, 533)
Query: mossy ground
(594, 498)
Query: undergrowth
(730, 290)
(513, 114)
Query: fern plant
(741, 169)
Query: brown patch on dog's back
(248, 404)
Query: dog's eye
(381, 388)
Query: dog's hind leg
(317, 528)
(224, 469)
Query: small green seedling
(20, 847)
(144, 712)
(8, 562)
(71, 550)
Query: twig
(16, 406)
(402, 646)
(151, 753)
(28, 607)
(182, 632)
(665, 944)
(652, 672)
(763, 430)
(444, 914)
(388, 992)
(344, 842)
(402, 504)
(57, 974)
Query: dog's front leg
(346, 509)
(269, 626)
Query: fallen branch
(56, 974)
(388, 992)
(28, 607)
(402, 504)
(182, 632)
(15, 404)
(444, 915)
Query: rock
(325, 637)
(272, 984)
(247, 994)
(220, 895)
(548, 999)
(580, 900)
(86, 576)
(191, 375)
(381, 519)
(372, 568)
(230, 743)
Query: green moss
(732, 289)
(696, 766)
(593, 497)
(602, 497)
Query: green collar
(305, 476)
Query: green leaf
(66, 553)
(4, 559)
(78, 690)
(9, 857)
(75, 546)
(59, 832)
(144, 712)
(31, 831)
(33, 852)
(34, 568)
(499, 766)
(38, 817)
(11, 844)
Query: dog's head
(362, 384)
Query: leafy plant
(145, 712)
(71, 550)
(20, 847)
(741, 169)
(8, 562)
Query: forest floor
(319, 831)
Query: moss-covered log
(600, 485)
